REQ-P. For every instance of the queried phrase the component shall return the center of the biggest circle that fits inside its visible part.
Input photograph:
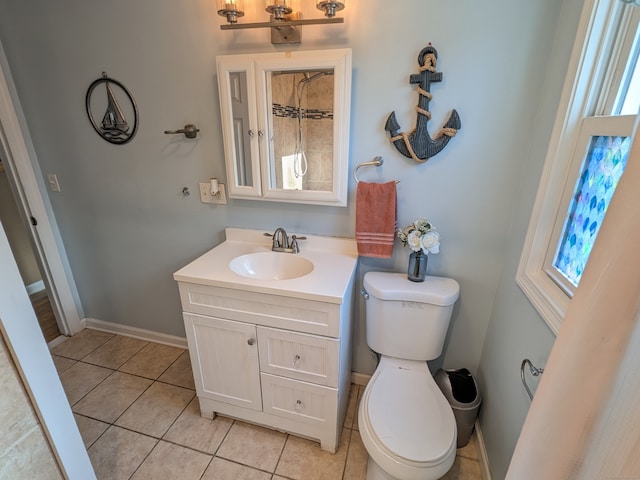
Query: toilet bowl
(406, 424)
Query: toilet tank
(407, 319)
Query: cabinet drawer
(303, 357)
(299, 401)
(309, 316)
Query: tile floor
(135, 405)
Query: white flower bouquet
(420, 235)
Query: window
(589, 151)
(602, 151)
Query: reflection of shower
(300, 160)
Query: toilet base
(374, 472)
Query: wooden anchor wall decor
(418, 144)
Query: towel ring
(535, 371)
(376, 162)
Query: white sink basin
(322, 271)
(271, 265)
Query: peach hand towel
(376, 219)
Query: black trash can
(461, 390)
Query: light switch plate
(53, 182)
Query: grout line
(284, 444)
(346, 456)
(233, 422)
(207, 467)
(144, 459)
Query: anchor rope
(422, 91)
(430, 65)
(405, 137)
(448, 131)
(424, 112)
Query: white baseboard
(483, 458)
(56, 341)
(135, 332)
(35, 287)
(360, 378)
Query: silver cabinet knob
(251, 341)
(296, 361)
(298, 405)
(251, 133)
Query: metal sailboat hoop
(113, 126)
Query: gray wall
(515, 330)
(126, 227)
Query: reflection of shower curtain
(584, 422)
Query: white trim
(56, 341)
(483, 457)
(585, 74)
(360, 378)
(23, 173)
(35, 287)
(34, 363)
(139, 333)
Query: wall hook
(189, 130)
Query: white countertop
(334, 260)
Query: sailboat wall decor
(113, 126)
(418, 144)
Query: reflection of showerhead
(308, 78)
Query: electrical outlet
(53, 182)
(206, 197)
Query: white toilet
(406, 423)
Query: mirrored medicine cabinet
(285, 125)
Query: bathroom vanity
(269, 333)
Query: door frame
(27, 183)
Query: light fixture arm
(282, 23)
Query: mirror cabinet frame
(256, 68)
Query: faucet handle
(294, 243)
(274, 243)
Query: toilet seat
(406, 422)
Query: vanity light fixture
(232, 9)
(284, 22)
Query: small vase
(417, 266)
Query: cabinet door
(242, 133)
(224, 358)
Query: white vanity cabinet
(271, 358)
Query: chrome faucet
(281, 241)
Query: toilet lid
(417, 425)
